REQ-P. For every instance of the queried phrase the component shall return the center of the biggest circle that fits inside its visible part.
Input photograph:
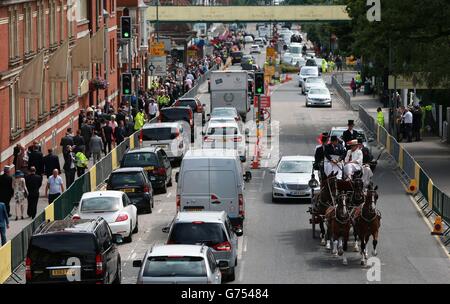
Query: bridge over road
(277, 13)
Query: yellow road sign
(157, 49)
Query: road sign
(158, 66)
(157, 49)
(265, 101)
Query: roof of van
(201, 216)
(178, 250)
(211, 153)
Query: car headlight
(278, 184)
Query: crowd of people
(410, 123)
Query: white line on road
(241, 271)
(133, 256)
(245, 243)
(160, 210)
(169, 195)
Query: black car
(136, 184)
(74, 251)
(174, 114)
(194, 103)
(236, 57)
(155, 162)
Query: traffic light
(259, 83)
(126, 84)
(125, 27)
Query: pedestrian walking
(353, 87)
(4, 223)
(153, 109)
(139, 120)
(67, 140)
(79, 142)
(36, 160)
(55, 186)
(120, 133)
(380, 117)
(86, 132)
(6, 188)
(408, 121)
(81, 163)
(20, 193)
(51, 162)
(108, 132)
(417, 122)
(33, 182)
(69, 166)
(95, 147)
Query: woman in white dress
(20, 193)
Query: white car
(255, 49)
(291, 177)
(173, 137)
(225, 134)
(248, 39)
(115, 207)
(307, 72)
(298, 60)
(312, 82)
(287, 58)
(259, 42)
(318, 97)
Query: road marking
(240, 248)
(160, 210)
(168, 195)
(245, 243)
(133, 256)
(241, 271)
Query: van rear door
(224, 194)
(195, 190)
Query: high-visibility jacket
(324, 66)
(81, 160)
(358, 78)
(139, 121)
(380, 118)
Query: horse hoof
(374, 253)
(356, 248)
(322, 242)
(340, 252)
(345, 262)
(363, 263)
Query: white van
(212, 180)
(173, 137)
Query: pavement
(431, 153)
(277, 245)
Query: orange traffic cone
(412, 187)
(437, 227)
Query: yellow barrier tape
(430, 193)
(50, 212)
(417, 172)
(93, 178)
(131, 142)
(388, 144)
(5, 262)
(114, 162)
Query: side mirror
(223, 264)
(137, 263)
(272, 171)
(239, 232)
(176, 176)
(247, 176)
(117, 239)
(166, 229)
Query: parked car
(307, 72)
(255, 49)
(312, 82)
(212, 180)
(115, 207)
(222, 134)
(209, 228)
(78, 251)
(318, 97)
(173, 137)
(291, 177)
(174, 114)
(178, 264)
(259, 42)
(155, 162)
(194, 103)
(136, 184)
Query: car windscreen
(47, 249)
(126, 179)
(222, 131)
(194, 233)
(295, 49)
(295, 167)
(143, 159)
(100, 203)
(166, 266)
(223, 112)
(308, 72)
(318, 91)
(187, 103)
(314, 80)
(174, 114)
(164, 133)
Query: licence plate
(128, 190)
(149, 168)
(298, 193)
(194, 208)
(59, 272)
(162, 146)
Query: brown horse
(367, 222)
(339, 223)
(322, 201)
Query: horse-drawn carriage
(342, 205)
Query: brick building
(30, 27)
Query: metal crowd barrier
(344, 94)
(13, 253)
(437, 201)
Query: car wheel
(136, 229)
(232, 275)
(164, 189)
(169, 184)
(129, 238)
(118, 278)
(153, 203)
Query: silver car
(178, 264)
(209, 228)
(312, 82)
(291, 178)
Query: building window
(52, 95)
(112, 6)
(70, 16)
(70, 79)
(42, 110)
(26, 28)
(62, 26)
(112, 55)
(52, 22)
(15, 108)
(28, 111)
(13, 34)
(82, 10)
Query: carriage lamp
(313, 183)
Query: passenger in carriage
(353, 159)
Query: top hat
(351, 122)
(333, 138)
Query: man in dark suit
(319, 154)
(4, 223)
(120, 133)
(349, 134)
(334, 154)
(36, 160)
(79, 142)
(51, 162)
(6, 188)
(67, 140)
(108, 131)
(34, 183)
(69, 166)
(86, 132)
